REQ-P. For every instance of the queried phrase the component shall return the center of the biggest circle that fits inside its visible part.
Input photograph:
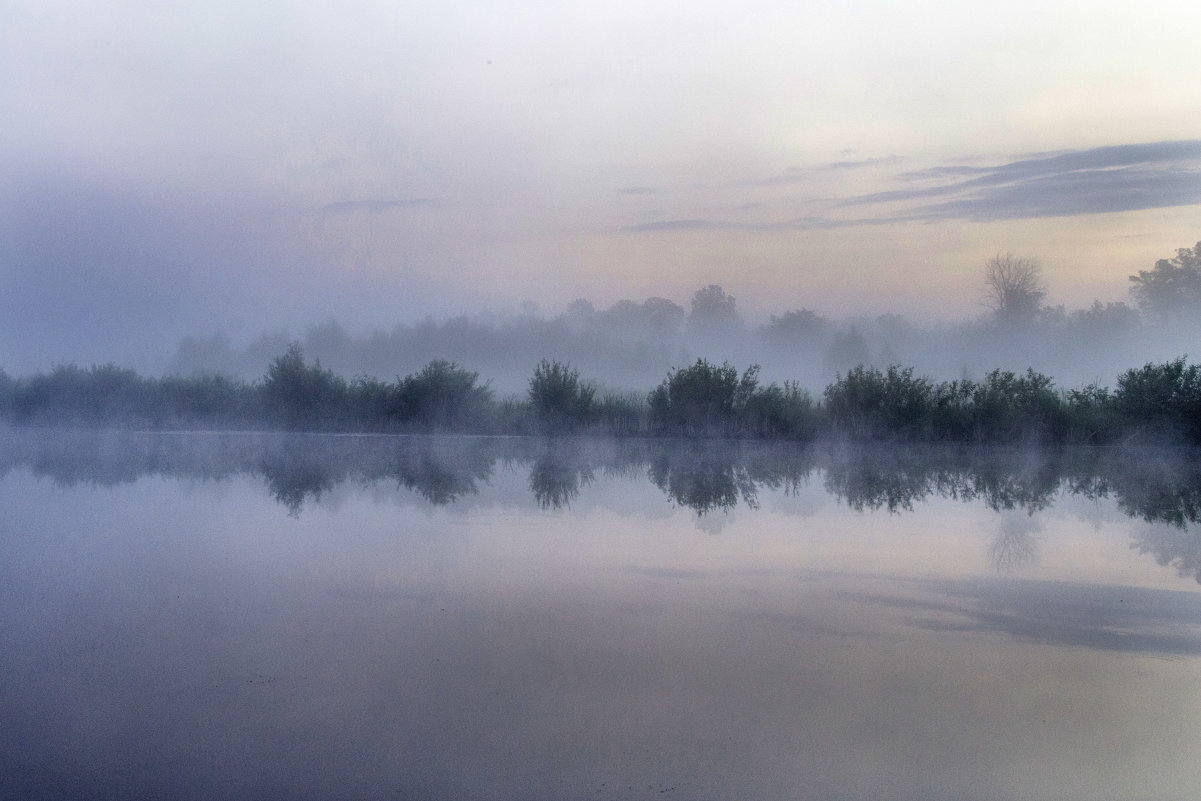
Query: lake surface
(259, 616)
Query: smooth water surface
(252, 616)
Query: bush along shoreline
(1153, 403)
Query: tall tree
(1013, 287)
(1173, 287)
(713, 312)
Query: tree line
(1156, 402)
(632, 343)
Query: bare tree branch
(1013, 286)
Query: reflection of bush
(556, 482)
(895, 478)
(1158, 485)
(440, 478)
(704, 481)
(294, 476)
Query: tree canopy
(1172, 287)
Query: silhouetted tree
(1013, 287)
(713, 312)
(1173, 287)
(795, 327)
(848, 349)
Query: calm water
(251, 616)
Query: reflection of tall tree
(558, 472)
(1172, 546)
(1014, 545)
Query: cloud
(1079, 182)
(676, 225)
(373, 206)
(795, 175)
(1094, 181)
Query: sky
(178, 169)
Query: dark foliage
(867, 403)
(1173, 287)
(301, 396)
(444, 396)
(1161, 400)
(559, 398)
(704, 399)
(1157, 402)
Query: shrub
(780, 411)
(868, 403)
(702, 399)
(622, 414)
(443, 395)
(559, 398)
(371, 402)
(204, 399)
(8, 391)
(301, 396)
(953, 411)
(1009, 407)
(1162, 400)
(1092, 415)
(71, 394)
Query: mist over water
(893, 523)
(259, 615)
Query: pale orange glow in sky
(280, 163)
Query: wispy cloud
(676, 225)
(1080, 182)
(1099, 180)
(373, 206)
(795, 175)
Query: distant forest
(631, 344)
(695, 397)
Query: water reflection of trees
(896, 479)
(558, 472)
(704, 483)
(1160, 487)
(1014, 545)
